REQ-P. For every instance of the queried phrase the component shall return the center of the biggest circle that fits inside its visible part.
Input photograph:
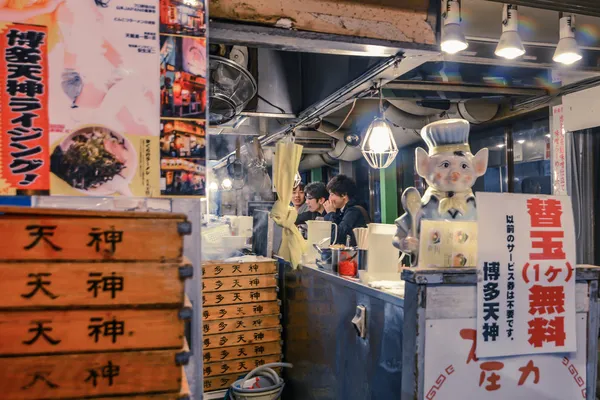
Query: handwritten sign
(241, 338)
(239, 297)
(526, 285)
(25, 161)
(238, 366)
(76, 376)
(91, 284)
(212, 269)
(238, 283)
(88, 330)
(237, 352)
(239, 311)
(559, 169)
(240, 324)
(453, 369)
(98, 239)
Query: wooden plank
(237, 352)
(238, 366)
(239, 297)
(89, 239)
(460, 301)
(10, 212)
(400, 22)
(222, 382)
(82, 375)
(37, 332)
(241, 338)
(221, 269)
(237, 283)
(212, 313)
(240, 324)
(89, 284)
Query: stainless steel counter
(331, 361)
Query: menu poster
(448, 244)
(24, 167)
(183, 91)
(102, 93)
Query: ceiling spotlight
(510, 45)
(453, 39)
(568, 51)
(521, 141)
(500, 145)
(213, 187)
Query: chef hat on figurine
(446, 135)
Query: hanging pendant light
(379, 147)
(568, 51)
(510, 45)
(453, 39)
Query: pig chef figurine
(450, 171)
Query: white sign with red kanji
(454, 371)
(526, 275)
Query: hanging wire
(381, 98)
(343, 122)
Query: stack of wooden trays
(241, 319)
(92, 304)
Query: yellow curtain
(287, 159)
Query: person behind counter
(343, 209)
(316, 195)
(299, 199)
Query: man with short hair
(343, 209)
(316, 195)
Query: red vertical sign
(24, 139)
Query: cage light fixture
(297, 180)
(453, 39)
(378, 146)
(510, 45)
(568, 51)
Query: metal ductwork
(341, 152)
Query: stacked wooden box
(91, 304)
(241, 319)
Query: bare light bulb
(379, 141)
(213, 187)
(227, 184)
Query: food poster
(103, 100)
(24, 156)
(183, 91)
(448, 244)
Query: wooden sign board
(241, 338)
(238, 311)
(238, 366)
(220, 269)
(95, 374)
(238, 283)
(223, 382)
(89, 284)
(89, 239)
(237, 352)
(239, 297)
(37, 332)
(239, 324)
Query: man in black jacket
(316, 195)
(343, 209)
